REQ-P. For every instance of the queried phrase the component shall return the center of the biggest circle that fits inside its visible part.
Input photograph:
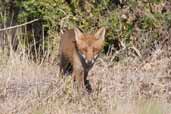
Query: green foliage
(49, 10)
(89, 15)
(167, 18)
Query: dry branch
(17, 26)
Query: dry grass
(123, 88)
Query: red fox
(80, 51)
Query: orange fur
(80, 50)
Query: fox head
(89, 45)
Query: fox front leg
(78, 77)
(86, 82)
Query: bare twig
(136, 51)
(17, 26)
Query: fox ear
(100, 34)
(78, 34)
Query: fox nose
(89, 62)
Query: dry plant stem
(17, 26)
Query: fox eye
(95, 50)
(84, 49)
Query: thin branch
(17, 26)
(136, 51)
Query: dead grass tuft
(123, 88)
